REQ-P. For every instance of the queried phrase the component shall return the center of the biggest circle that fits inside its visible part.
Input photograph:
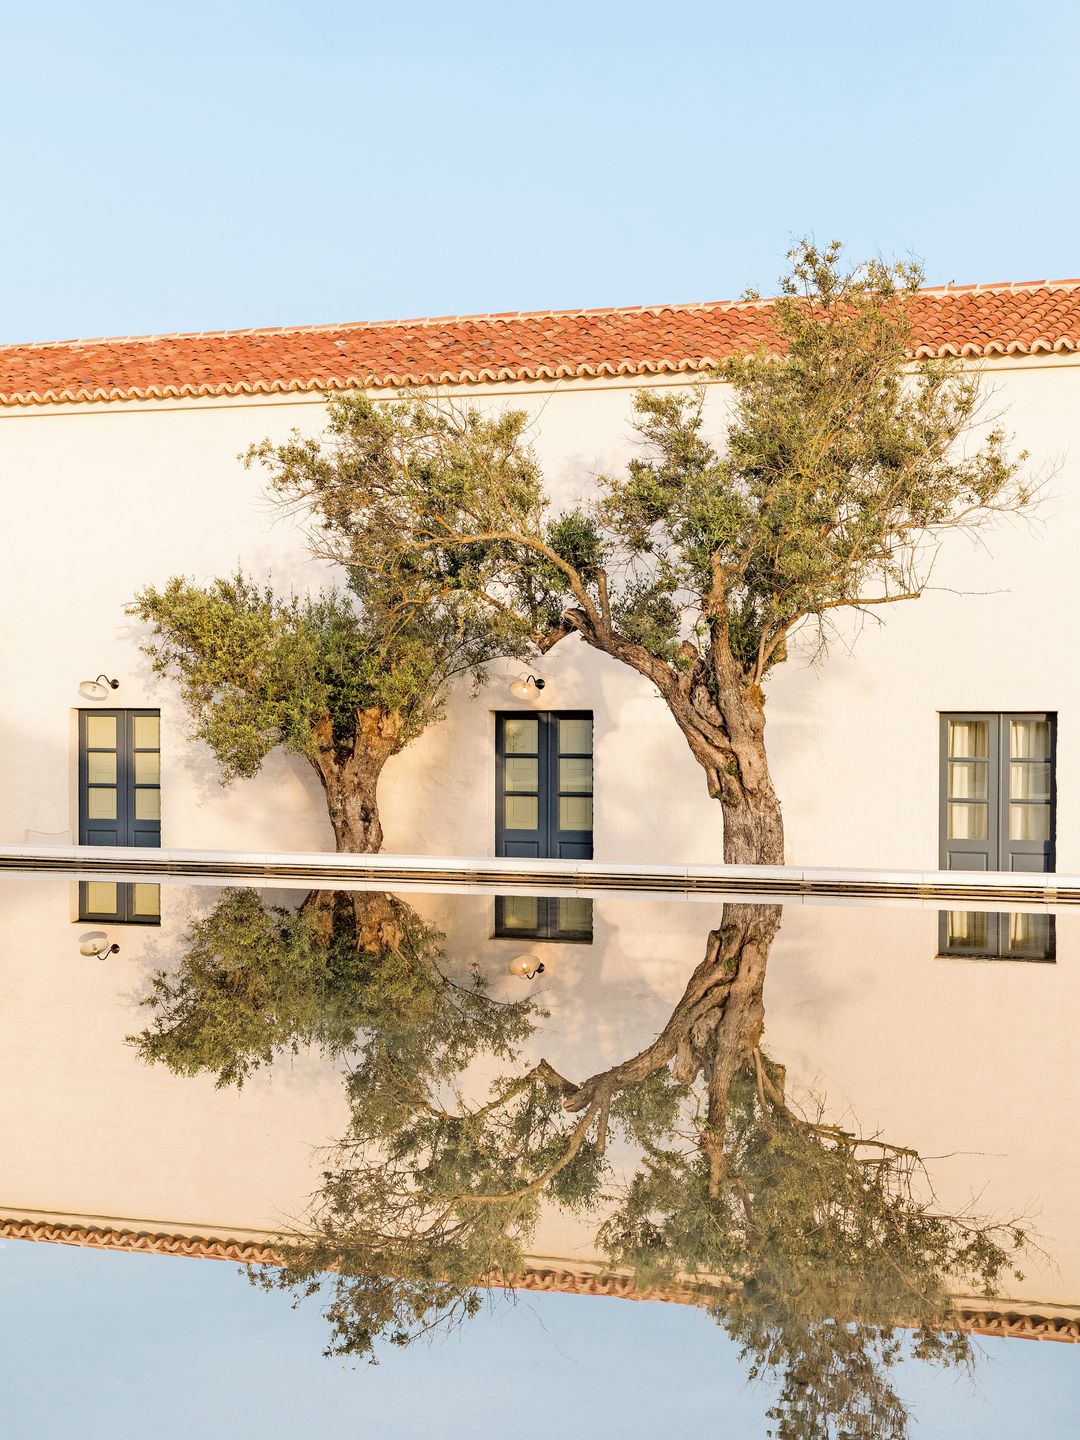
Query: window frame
(998, 851)
(124, 914)
(125, 828)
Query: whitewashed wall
(102, 499)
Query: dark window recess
(544, 785)
(979, 934)
(998, 793)
(120, 804)
(532, 917)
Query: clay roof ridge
(1001, 287)
(409, 323)
(977, 1315)
(505, 316)
(973, 321)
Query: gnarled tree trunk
(713, 1030)
(351, 778)
(378, 919)
(753, 823)
(722, 718)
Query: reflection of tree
(823, 1239)
(350, 973)
(811, 1245)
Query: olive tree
(348, 677)
(842, 466)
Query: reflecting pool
(844, 1133)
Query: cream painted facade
(934, 1054)
(102, 498)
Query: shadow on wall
(652, 802)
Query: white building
(120, 460)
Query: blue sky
(122, 1347)
(250, 164)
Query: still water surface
(844, 1134)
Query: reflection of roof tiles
(1038, 317)
(979, 1319)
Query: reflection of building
(923, 725)
(858, 1008)
(975, 1316)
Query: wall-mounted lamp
(527, 689)
(526, 966)
(96, 943)
(97, 689)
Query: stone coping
(463, 873)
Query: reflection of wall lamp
(526, 966)
(527, 689)
(96, 943)
(95, 690)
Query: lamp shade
(96, 943)
(527, 689)
(526, 966)
(97, 689)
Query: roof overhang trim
(979, 1320)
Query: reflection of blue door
(543, 917)
(544, 785)
(119, 777)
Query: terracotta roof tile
(1038, 317)
(981, 1317)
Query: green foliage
(842, 467)
(379, 1289)
(347, 677)
(358, 976)
(807, 1216)
(827, 1243)
(647, 613)
(258, 670)
(841, 462)
(575, 539)
(431, 1195)
(385, 472)
(255, 981)
(361, 977)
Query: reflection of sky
(121, 1347)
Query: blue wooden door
(120, 777)
(544, 785)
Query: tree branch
(576, 1139)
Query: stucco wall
(101, 499)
